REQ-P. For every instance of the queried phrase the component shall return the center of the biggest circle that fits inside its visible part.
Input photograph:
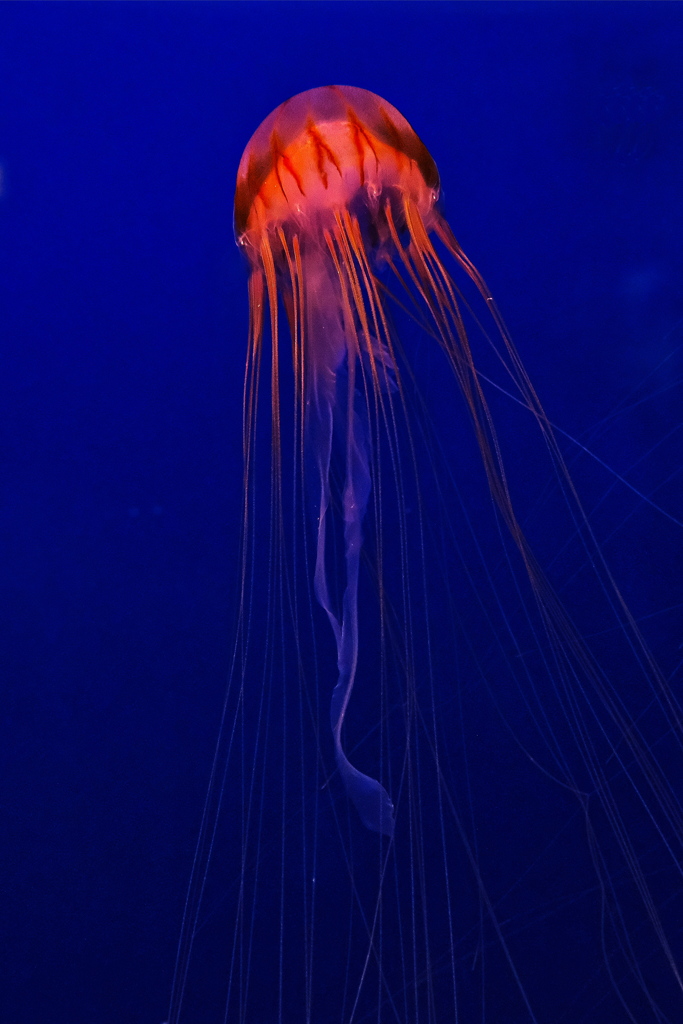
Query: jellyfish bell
(362, 846)
(320, 152)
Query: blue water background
(557, 129)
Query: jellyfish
(351, 737)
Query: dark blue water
(557, 129)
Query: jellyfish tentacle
(320, 583)
(371, 799)
(329, 417)
(325, 357)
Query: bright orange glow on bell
(318, 152)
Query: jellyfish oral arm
(370, 798)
